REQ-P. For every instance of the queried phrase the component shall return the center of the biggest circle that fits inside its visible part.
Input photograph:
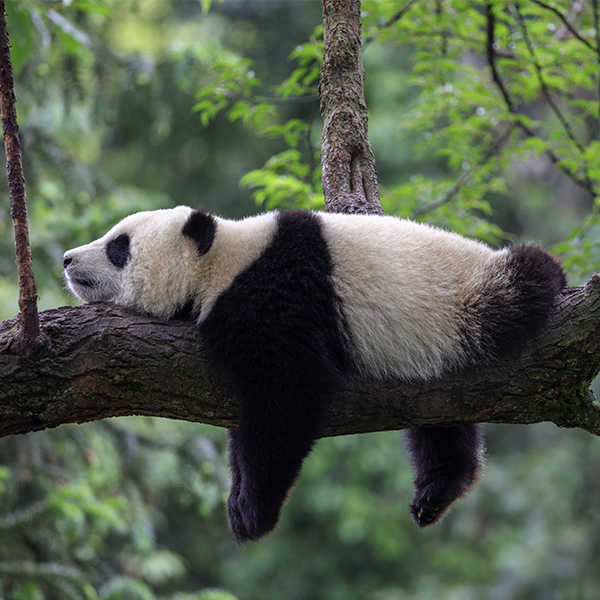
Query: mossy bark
(102, 361)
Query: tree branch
(392, 20)
(491, 54)
(596, 17)
(567, 25)
(544, 87)
(29, 320)
(456, 187)
(103, 361)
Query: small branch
(466, 176)
(29, 320)
(596, 12)
(566, 23)
(394, 19)
(439, 13)
(491, 57)
(349, 175)
(542, 83)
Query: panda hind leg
(446, 461)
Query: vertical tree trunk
(28, 318)
(349, 173)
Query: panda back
(403, 287)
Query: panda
(291, 304)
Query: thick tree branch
(103, 362)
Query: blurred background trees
(483, 119)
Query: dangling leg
(235, 518)
(446, 461)
(266, 455)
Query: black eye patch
(117, 250)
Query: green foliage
(127, 106)
(304, 79)
(285, 181)
(536, 109)
(79, 507)
(232, 88)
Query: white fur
(164, 269)
(405, 288)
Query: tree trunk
(28, 318)
(349, 175)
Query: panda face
(93, 272)
(150, 261)
(163, 262)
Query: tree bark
(102, 361)
(28, 319)
(349, 175)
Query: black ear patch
(201, 227)
(117, 250)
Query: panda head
(153, 262)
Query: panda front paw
(236, 522)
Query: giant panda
(289, 304)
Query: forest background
(131, 105)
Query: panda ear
(201, 227)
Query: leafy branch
(564, 19)
(585, 182)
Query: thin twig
(596, 27)
(439, 13)
(392, 20)
(550, 100)
(540, 77)
(491, 57)
(466, 176)
(566, 23)
(29, 319)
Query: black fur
(201, 227)
(446, 460)
(535, 279)
(186, 312)
(278, 335)
(117, 250)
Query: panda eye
(117, 250)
